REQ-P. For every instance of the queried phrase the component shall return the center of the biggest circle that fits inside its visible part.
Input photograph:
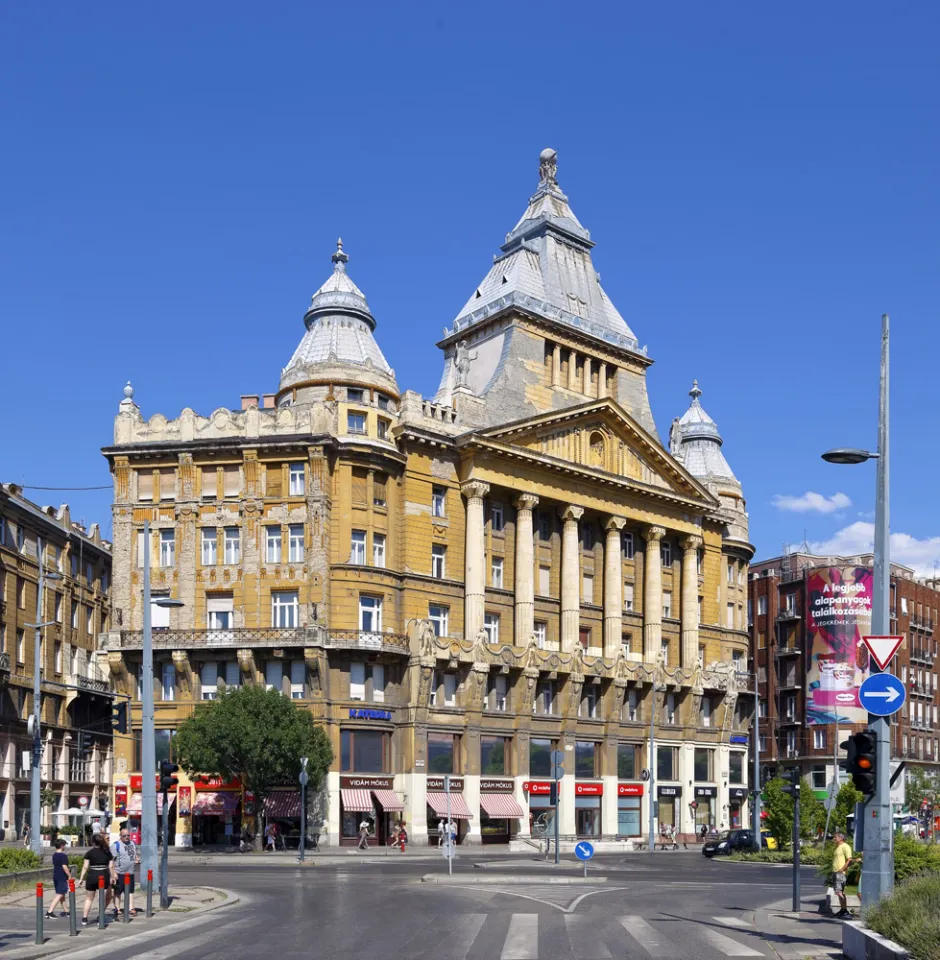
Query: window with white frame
(545, 699)
(378, 549)
(664, 652)
(588, 706)
(357, 549)
(545, 577)
(667, 604)
(632, 705)
(285, 608)
(298, 485)
(628, 545)
(819, 738)
(274, 675)
(357, 680)
(670, 708)
(440, 619)
(210, 547)
(159, 616)
(355, 422)
(762, 606)
(209, 680)
(491, 626)
(438, 560)
(295, 543)
(370, 613)
(438, 501)
(89, 621)
(701, 656)
(665, 553)
(587, 589)
(496, 572)
(730, 570)
(739, 661)
(233, 545)
(381, 428)
(497, 521)
(272, 551)
(706, 711)
(220, 611)
(498, 697)
(168, 676)
(167, 548)
(628, 596)
(378, 682)
(541, 630)
(298, 674)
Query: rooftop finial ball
(548, 154)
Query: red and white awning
(391, 802)
(458, 806)
(136, 803)
(215, 803)
(502, 806)
(282, 803)
(356, 800)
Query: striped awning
(215, 803)
(502, 806)
(356, 800)
(282, 803)
(458, 806)
(136, 803)
(390, 800)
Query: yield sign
(883, 649)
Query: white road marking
(648, 937)
(455, 942)
(733, 922)
(522, 940)
(581, 931)
(727, 946)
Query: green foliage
(14, 859)
(911, 916)
(779, 807)
(824, 864)
(47, 796)
(255, 734)
(846, 799)
(911, 857)
(75, 862)
(812, 812)
(808, 855)
(920, 784)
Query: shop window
(364, 751)
(626, 761)
(493, 756)
(702, 765)
(585, 759)
(736, 768)
(442, 753)
(540, 757)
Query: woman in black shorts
(98, 863)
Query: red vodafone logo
(537, 787)
(629, 789)
(589, 789)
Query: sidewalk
(811, 934)
(18, 921)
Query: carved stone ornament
(424, 686)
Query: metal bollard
(39, 915)
(127, 898)
(73, 922)
(102, 921)
(150, 893)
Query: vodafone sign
(589, 789)
(629, 789)
(538, 788)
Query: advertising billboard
(838, 615)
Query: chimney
(269, 400)
(249, 400)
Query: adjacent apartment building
(76, 700)
(457, 585)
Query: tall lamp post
(35, 771)
(148, 756)
(878, 875)
(657, 688)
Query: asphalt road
(673, 905)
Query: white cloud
(859, 537)
(812, 502)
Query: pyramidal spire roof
(545, 267)
(694, 439)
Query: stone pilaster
(572, 370)
(689, 611)
(556, 365)
(652, 596)
(586, 377)
(613, 587)
(475, 556)
(524, 621)
(570, 578)
(602, 381)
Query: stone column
(524, 620)
(602, 381)
(570, 578)
(689, 612)
(572, 369)
(556, 365)
(613, 587)
(586, 378)
(475, 557)
(652, 596)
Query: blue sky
(761, 183)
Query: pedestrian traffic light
(861, 758)
(167, 780)
(791, 780)
(119, 717)
(553, 794)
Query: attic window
(505, 278)
(478, 294)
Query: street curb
(502, 881)
(860, 943)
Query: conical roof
(339, 333)
(695, 440)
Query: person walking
(841, 859)
(61, 873)
(124, 852)
(27, 834)
(98, 863)
(247, 839)
(363, 835)
(270, 837)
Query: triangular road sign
(883, 649)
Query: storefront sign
(737, 738)
(184, 807)
(120, 801)
(706, 791)
(538, 788)
(496, 786)
(137, 783)
(589, 789)
(738, 793)
(204, 782)
(362, 713)
(629, 789)
(437, 784)
(365, 783)
(669, 791)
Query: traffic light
(119, 717)
(167, 780)
(792, 779)
(861, 761)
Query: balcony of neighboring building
(789, 613)
(921, 655)
(790, 649)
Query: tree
(846, 799)
(779, 808)
(254, 734)
(920, 784)
(812, 812)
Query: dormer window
(382, 401)
(353, 395)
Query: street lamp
(657, 688)
(148, 757)
(878, 875)
(35, 812)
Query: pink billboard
(838, 615)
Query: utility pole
(755, 811)
(148, 756)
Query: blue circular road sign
(584, 850)
(882, 694)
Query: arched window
(598, 451)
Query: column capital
(654, 533)
(615, 523)
(474, 488)
(526, 501)
(691, 542)
(571, 513)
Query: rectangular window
(632, 706)
(378, 682)
(541, 630)
(295, 543)
(667, 604)
(364, 751)
(209, 680)
(701, 656)
(274, 675)
(210, 547)
(169, 681)
(20, 646)
(819, 738)
(588, 705)
(496, 572)
(450, 689)
(167, 548)
(628, 546)
(357, 680)
(736, 768)
(545, 574)
(585, 759)
(231, 480)
(159, 616)
(233, 675)
(57, 654)
(439, 617)
(706, 711)
(545, 526)
(626, 761)
(762, 606)
(584, 637)
(297, 480)
(493, 756)
(272, 552)
(545, 700)
(497, 699)
(438, 502)
(357, 550)
(89, 621)
(540, 757)
(497, 521)
(378, 549)
(370, 613)
(438, 557)
(285, 608)
(628, 596)
(145, 486)
(665, 553)
(233, 545)
(381, 427)
(665, 763)
(354, 395)
(587, 589)
(167, 484)
(210, 483)
(298, 673)
(220, 611)
(378, 490)
(491, 626)
(382, 401)
(730, 571)
(355, 423)
(670, 708)
(664, 651)
(442, 753)
(702, 765)
(58, 606)
(730, 617)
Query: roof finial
(695, 393)
(340, 258)
(548, 167)
(129, 391)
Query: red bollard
(39, 915)
(150, 893)
(102, 919)
(401, 840)
(73, 921)
(127, 898)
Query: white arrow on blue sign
(584, 850)
(882, 694)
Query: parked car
(728, 841)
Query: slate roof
(699, 442)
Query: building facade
(76, 699)
(457, 585)
(780, 594)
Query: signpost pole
(164, 872)
(148, 758)
(448, 844)
(652, 768)
(557, 817)
(304, 777)
(755, 793)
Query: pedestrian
(452, 832)
(26, 835)
(61, 873)
(98, 863)
(124, 852)
(363, 835)
(270, 835)
(246, 839)
(841, 860)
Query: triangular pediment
(600, 436)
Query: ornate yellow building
(458, 585)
